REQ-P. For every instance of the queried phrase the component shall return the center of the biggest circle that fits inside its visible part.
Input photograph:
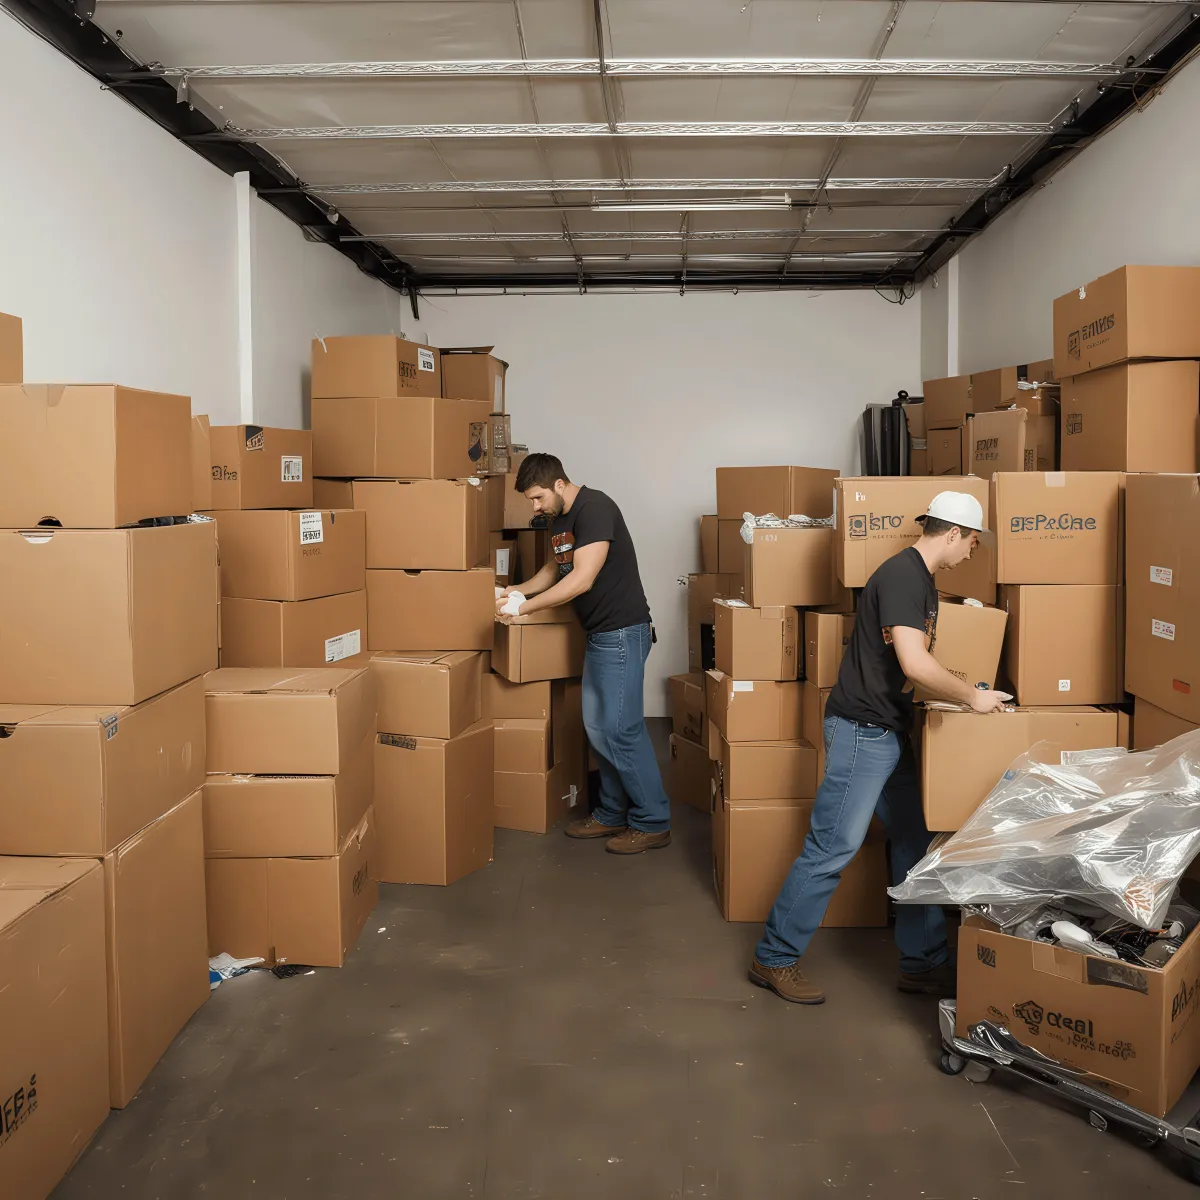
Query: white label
(312, 528)
(1163, 629)
(109, 724)
(502, 558)
(1163, 575)
(573, 798)
(743, 685)
(425, 359)
(860, 497)
(1064, 685)
(343, 646)
(292, 469)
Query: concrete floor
(571, 1025)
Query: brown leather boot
(788, 983)
(635, 841)
(589, 827)
(940, 981)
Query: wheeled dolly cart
(990, 1047)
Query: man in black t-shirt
(869, 763)
(594, 567)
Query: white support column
(245, 199)
(951, 275)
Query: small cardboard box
(424, 524)
(689, 774)
(403, 438)
(826, 636)
(708, 544)
(293, 633)
(1010, 439)
(92, 456)
(54, 1059)
(294, 910)
(965, 754)
(374, 365)
(98, 775)
(790, 566)
(756, 643)
(1057, 526)
(688, 706)
(744, 710)
(270, 554)
(12, 365)
(1065, 643)
(1132, 417)
(1128, 1031)
(287, 722)
(948, 402)
(106, 617)
(434, 805)
(428, 695)
(288, 816)
(431, 610)
(945, 450)
(257, 467)
(473, 373)
(534, 801)
(784, 491)
(522, 745)
(1152, 726)
(767, 770)
(969, 642)
(202, 464)
(548, 645)
(333, 493)
(1130, 313)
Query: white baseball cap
(957, 508)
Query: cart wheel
(978, 1072)
(951, 1064)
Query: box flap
(277, 680)
(26, 882)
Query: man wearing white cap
(869, 762)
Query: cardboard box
(333, 493)
(1001, 388)
(767, 770)
(434, 805)
(269, 554)
(790, 566)
(523, 700)
(495, 458)
(1057, 527)
(532, 648)
(702, 591)
(756, 643)
(965, 754)
(1039, 401)
(201, 464)
(1132, 417)
(1010, 439)
(945, 450)
(826, 636)
(1127, 1031)
(105, 617)
(969, 642)
(157, 942)
(374, 365)
(731, 550)
(784, 491)
(509, 507)
(426, 524)
(687, 706)
(918, 460)
(689, 774)
(750, 711)
(431, 610)
(1065, 643)
(399, 438)
(288, 816)
(54, 1058)
(293, 633)
(1130, 313)
(948, 402)
(914, 419)
(533, 552)
(503, 558)
(522, 745)
(294, 910)
(534, 802)
(1162, 569)
(92, 456)
(428, 695)
(473, 373)
(12, 366)
(257, 467)
(79, 781)
(813, 727)
(708, 544)
(1152, 726)
(287, 722)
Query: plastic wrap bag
(770, 521)
(1106, 828)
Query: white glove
(512, 606)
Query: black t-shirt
(871, 685)
(616, 599)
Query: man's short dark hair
(935, 527)
(540, 470)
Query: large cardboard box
(402, 438)
(688, 707)
(1131, 417)
(157, 942)
(257, 467)
(473, 373)
(428, 695)
(547, 645)
(1128, 1031)
(745, 710)
(434, 805)
(1162, 570)
(105, 617)
(784, 491)
(374, 365)
(1130, 313)
(945, 450)
(1152, 726)
(1065, 643)
(702, 591)
(1010, 439)
(826, 636)
(12, 365)
(79, 781)
(790, 566)
(948, 402)
(756, 643)
(708, 544)
(689, 774)
(294, 910)
(965, 754)
(813, 728)
(1057, 526)
(201, 464)
(430, 610)
(288, 816)
(287, 721)
(969, 642)
(269, 554)
(767, 770)
(53, 1005)
(293, 633)
(426, 524)
(333, 493)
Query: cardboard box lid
(259, 681)
(27, 882)
(473, 350)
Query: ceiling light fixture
(747, 204)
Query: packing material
(430, 610)
(374, 365)
(426, 524)
(689, 774)
(293, 633)
(474, 373)
(784, 491)
(428, 695)
(744, 710)
(257, 467)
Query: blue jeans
(631, 789)
(868, 770)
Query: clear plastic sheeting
(1103, 828)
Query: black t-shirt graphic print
(616, 599)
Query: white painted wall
(643, 396)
